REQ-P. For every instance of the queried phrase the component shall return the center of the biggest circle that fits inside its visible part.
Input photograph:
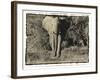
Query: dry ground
(68, 55)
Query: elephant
(52, 25)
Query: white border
(52, 68)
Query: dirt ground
(68, 55)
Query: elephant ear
(49, 23)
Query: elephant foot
(54, 55)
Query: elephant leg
(58, 54)
(53, 43)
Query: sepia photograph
(57, 39)
(50, 39)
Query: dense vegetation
(75, 32)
